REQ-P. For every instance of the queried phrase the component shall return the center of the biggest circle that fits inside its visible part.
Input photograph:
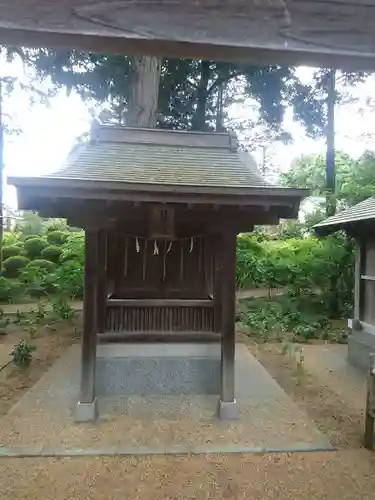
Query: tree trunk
(144, 92)
(330, 141)
(219, 110)
(1, 175)
(199, 118)
(331, 178)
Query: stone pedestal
(86, 412)
(227, 410)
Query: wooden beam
(162, 337)
(160, 303)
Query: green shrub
(22, 353)
(9, 289)
(52, 253)
(37, 281)
(34, 246)
(42, 264)
(73, 249)
(11, 251)
(10, 238)
(69, 279)
(14, 265)
(57, 237)
(56, 225)
(70, 256)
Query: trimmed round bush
(57, 237)
(52, 253)
(70, 256)
(11, 251)
(34, 246)
(30, 237)
(9, 289)
(42, 264)
(14, 265)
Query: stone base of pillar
(227, 410)
(86, 412)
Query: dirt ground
(345, 474)
(50, 344)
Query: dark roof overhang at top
(323, 33)
(352, 220)
(150, 165)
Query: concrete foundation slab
(144, 370)
(158, 423)
(360, 345)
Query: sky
(49, 133)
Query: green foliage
(69, 279)
(52, 253)
(9, 289)
(286, 318)
(56, 225)
(34, 247)
(22, 354)
(14, 265)
(30, 224)
(11, 238)
(303, 266)
(73, 248)
(42, 264)
(11, 251)
(57, 237)
(62, 309)
(355, 180)
(37, 281)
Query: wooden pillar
(102, 280)
(227, 409)
(87, 405)
(217, 284)
(359, 296)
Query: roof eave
(94, 185)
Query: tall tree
(190, 89)
(330, 144)
(355, 180)
(144, 91)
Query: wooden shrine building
(358, 221)
(161, 211)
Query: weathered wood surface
(158, 318)
(162, 337)
(318, 32)
(90, 319)
(228, 308)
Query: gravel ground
(314, 476)
(267, 417)
(346, 474)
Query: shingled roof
(121, 164)
(170, 158)
(153, 160)
(357, 214)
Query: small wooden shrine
(358, 221)
(161, 211)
